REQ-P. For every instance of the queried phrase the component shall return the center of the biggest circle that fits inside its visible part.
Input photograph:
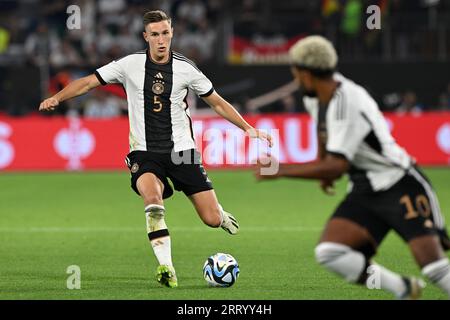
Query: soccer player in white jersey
(386, 189)
(161, 139)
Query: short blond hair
(314, 53)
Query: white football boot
(229, 222)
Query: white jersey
(156, 94)
(353, 126)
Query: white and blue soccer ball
(221, 270)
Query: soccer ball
(221, 270)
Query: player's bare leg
(346, 232)
(212, 213)
(151, 190)
(346, 248)
(430, 256)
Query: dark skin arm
(327, 168)
(331, 167)
(327, 185)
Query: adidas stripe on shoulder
(180, 57)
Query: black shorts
(409, 207)
(183, 168)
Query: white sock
(158, 233)
(439, 273)
(161, 248)
(341, 259)
(381, 278)
(350, 264)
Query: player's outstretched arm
(227, 111)
(73, 89)
(330, 168)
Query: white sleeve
(113, 72)
(201, 85)
(346, 127)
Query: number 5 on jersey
(157, 102)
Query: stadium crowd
(110, 29)
(34, 33)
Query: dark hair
(316, 72)
(155, 16)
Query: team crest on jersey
(134, 168)
(158, 88)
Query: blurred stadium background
(51, 220)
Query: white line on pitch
(130, 229)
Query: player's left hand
(265, 162)
(255, 133)
(327, 187)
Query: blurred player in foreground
(161, 137)
(386, 190)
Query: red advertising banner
(41, 143)
(38, 143)
(426, 137)
(260, 51)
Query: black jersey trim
(207, 94)
(367, 119)
(361, 183)
(158, 123)
(99, 77)
(371, 138)
(168, 62)
(190, 120)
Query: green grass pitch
(49, 221)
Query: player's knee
(152, 198)
(341, 259)
(426, 249)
